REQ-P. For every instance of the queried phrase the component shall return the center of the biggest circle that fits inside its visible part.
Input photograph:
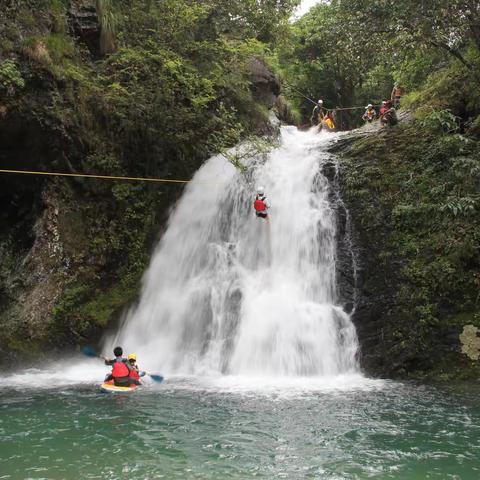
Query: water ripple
(190, 430)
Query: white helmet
(260, 190)
(320, 102)
(369, 105)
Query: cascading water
(232, 294)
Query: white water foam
(276, 387)
(229, 294)
(63, 373)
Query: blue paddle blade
(156, 378)
(89, 351)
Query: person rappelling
(261, 204)
(318, 114)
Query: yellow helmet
(132, 356)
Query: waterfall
(229, 293)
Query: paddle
(90, 352)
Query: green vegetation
(350, 52)
(413, 193)
(422, 200)
(108, 26)
(145, 88)
(11, 79)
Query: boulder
(84, 24)
(265, 85)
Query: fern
(460, 206)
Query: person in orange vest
(121, 369)
(261, 204)
(328, 120)
(135, 373)
(370, 113)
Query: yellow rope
(103, 177)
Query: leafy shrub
(108, 22)
(11, 80)
(460, 206)
(440, 120)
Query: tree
(449, 25)
(331, 57)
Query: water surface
(237, 428)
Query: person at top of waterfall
(318, 114)
(328, 120)
(261, 204)
(385, 107)
(121, 369)
(397, 93)
(369, 114)
(388, 115)
(135, 372)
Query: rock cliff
(416, 285)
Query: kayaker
(261, 204)
(121, 369)
(135, 373)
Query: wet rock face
(397, 338)
(84, 24)
(265, 85)
(346, 255)
(31, 279)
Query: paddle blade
(89, 351)
(155, 378)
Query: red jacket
(260, 204)
(120, 369)
(134, 374)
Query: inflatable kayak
(109, 387)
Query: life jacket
(134, 374)
(259, 204)
(329, 123)
(120, 369)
